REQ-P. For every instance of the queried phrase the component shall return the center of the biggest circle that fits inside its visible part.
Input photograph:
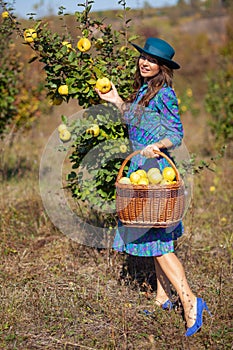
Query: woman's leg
(163, 285)
(174, 271)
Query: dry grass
(57, 294)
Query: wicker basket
(150, 205)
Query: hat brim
(169, 63)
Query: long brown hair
(164, 77)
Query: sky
(22, 7)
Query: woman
(154, 124)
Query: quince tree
(20, 100)
(73, 65)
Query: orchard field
(58, 294)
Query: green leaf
(72, 56)
(64, 119)
(57, 67)
(109, 178)
(86, 90)
(98, 72)
(91, 81)
(133, 37)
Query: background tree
(219, 97)
(22, 99)
(10, 70)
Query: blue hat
(159, 49)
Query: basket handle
(119, 176)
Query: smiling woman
(157, 127)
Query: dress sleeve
(171, 126)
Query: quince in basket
(165, 182)
(125, 180)
(141, 172)
(155, 177)
(134, 178)
(169, 174)
(152, 177)
(153, 170)
(143, 181)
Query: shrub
(72, 67)
(10, 70)
(21, 98)
(219, 103)
(219, 97)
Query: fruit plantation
(73, 68)
(55, 292)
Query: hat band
(155, 51)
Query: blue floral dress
(147, 125)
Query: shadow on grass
(139, 272)
(16, 167)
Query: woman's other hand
(148, 151)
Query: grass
(58, 294)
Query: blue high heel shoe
(168, 305)
(201, 306)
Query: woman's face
(148, 66)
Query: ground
(58, 294)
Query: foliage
(109, 55)
(97, 157)
(219, 97)
(21, 100)
(10, 70)
(219, 103)
(186, 103)
(67, 63)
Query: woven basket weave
(150, 205)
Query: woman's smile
(145, 69)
